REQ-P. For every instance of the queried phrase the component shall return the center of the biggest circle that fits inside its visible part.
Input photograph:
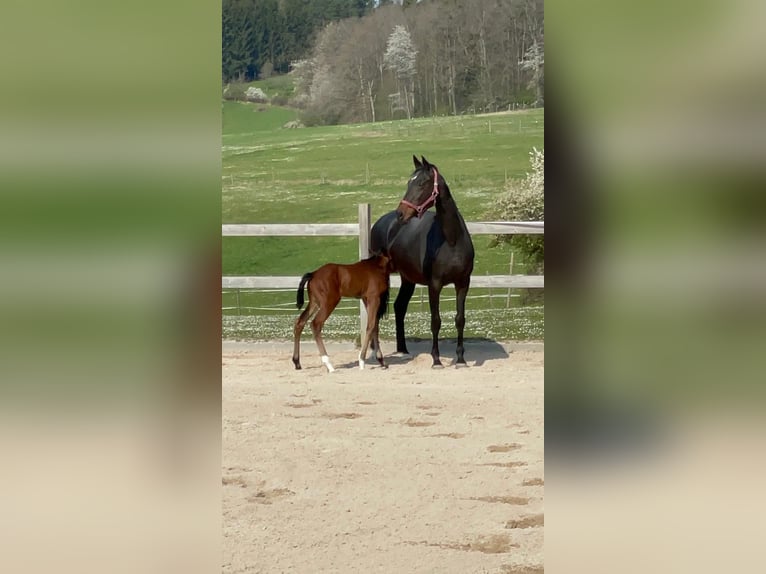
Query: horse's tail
(305, 279)
(383, 307)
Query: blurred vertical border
(656, 275)
(109, 298)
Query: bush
(313, 116)
(266, 70)
(524, 200)
(279, 100)
(301, 101)
(234, 91)
(253, 94)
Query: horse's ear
(418, 165)
(425, 162)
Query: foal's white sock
(361, 361)
(327, 363)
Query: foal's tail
(305, 279)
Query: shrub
(234, 91)
(253, 94)
(279, 100)
(313, 116)
(524, 200)
(300, 101)
(266, 70)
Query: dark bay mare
(367, 280)
(426, 248)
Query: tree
(333, 91)
(431, 57)
(534, 60)
(400, 58)
(237, 40)
(276, 32)
(361, 55)
(269, 35)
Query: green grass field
(320, 175)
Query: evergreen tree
(237, 40)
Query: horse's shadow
(477, 351)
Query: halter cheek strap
(423, 207)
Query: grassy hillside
(315, 175)
(246, 119)
(276, 86)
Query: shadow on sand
(477, 351)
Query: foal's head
(382, 261)
(422, 190)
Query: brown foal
(367, 280)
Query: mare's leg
(372, 305)
(436, 322)
(461, 292)
(316, 328)
(300, 322)
(400, 309)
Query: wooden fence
(362, 231)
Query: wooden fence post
(364, 253)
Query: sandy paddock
(403, 470)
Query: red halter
(423, 207)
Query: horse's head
(422, 191)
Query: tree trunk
(453, 103)
(362, 91)
(371, 98)
(486, 79)
(407, 100)
(436, 94)
(539, 88)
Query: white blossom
(400, 54)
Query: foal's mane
(374, 256)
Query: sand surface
(401, 470)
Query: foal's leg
(316, 328)
(375, 346)
(372, 305)
(378, 351)
(300, 322)
(436, 322)
(461, 292)
(400, 309)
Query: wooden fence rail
(342, 229)
(291, 281)
(362, 231)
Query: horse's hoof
(297, 367)
(382, 366)
(437, 366)
(461, 363)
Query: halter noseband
(423, 207)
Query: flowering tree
(400, 59)
(534, 61)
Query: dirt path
(404, 470)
